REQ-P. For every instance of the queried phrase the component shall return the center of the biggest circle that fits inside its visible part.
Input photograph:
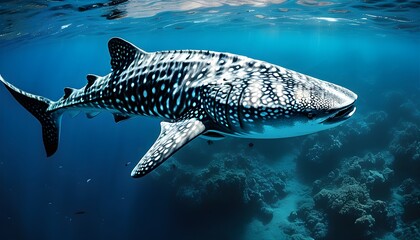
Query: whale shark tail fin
(37, 106)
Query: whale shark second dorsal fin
(123, 53)
(91, 78)
(67, 92)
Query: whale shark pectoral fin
(173, 136)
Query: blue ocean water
(357, 181)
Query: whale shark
(195, 93)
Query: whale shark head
(305, 105)
(325, 105)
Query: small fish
(79, 212)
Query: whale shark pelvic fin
(92, 114)
(173, 136)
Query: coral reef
(405, 146)
(313, 220)
(410, 200)
(320, 153)
(357, 200)
(346, 203)
(235, 184)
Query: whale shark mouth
(341, 114)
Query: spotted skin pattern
(200, 93)
(172, 137)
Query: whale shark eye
(310, 115)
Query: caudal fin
(37, 106)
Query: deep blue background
(40, 196)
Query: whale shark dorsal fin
(123, 53)
(173, 136)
